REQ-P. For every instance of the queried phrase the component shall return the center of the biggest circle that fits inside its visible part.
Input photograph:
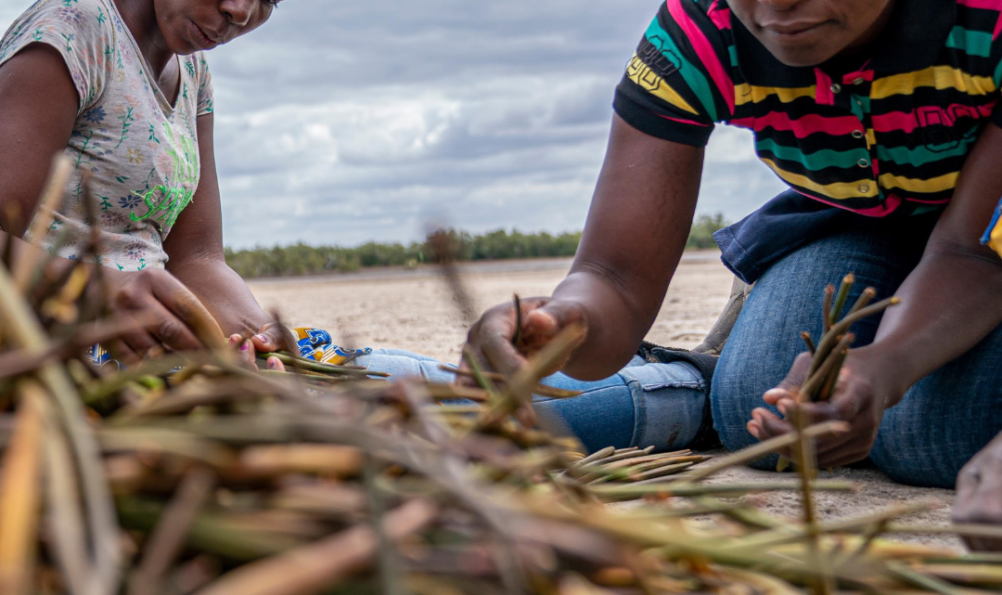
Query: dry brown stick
(518, 392)
(816, 381)
(598, 455)
(804, 452)
(169, 535)
(323, 564)
(99, 305)
(55, 189)
(20, 489)
(517, 339)
(540, 389)
(864, 298)
(13, 212)
(763, 448)
(843, 294)
(826, 308)
(69, 540)
(444, 249)
(806, 336)
(27, 333)
(829, 387)
(832, 337)
(16, 363)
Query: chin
(801, 57)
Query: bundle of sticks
(193, 474)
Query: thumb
(790, 385)
(274, 337)
(542, 324)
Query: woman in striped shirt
(882, 117)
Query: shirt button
(859, 81)
(863, 163)
(857, 134)
(864, 188)
(835, 88)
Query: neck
(141, 19)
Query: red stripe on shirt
(801, 127)
(704, 50)
(909, 121)
(721, 17)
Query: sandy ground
(414, 310)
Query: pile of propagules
(192, 474)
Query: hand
(979, 494)
(859, 399)
(491, 339)
(270, 337)
(181, 321)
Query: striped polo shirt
(885, 137)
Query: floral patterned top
(142, 151)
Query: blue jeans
(660, 405)
(943, 420)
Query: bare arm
(949, 303)
(195, 247)
(633, 239)
(38, 108)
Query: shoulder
(83, 25)
(198, 66)
(80, 17)
(976, 36)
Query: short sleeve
(205, 105)
(676, 83)
(80, 30)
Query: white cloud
(342, 122)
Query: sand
(413, 310)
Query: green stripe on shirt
(697, 82)
(817, 160)
(920, 156)
(974, 43)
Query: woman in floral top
(123, 88)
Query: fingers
(979, 496)
(121, 351)
(490, 342)
(275, 364)
(171, 331)
(541, 325)
(274, 337)
(501, 356)
(196, 321)
(246, 355)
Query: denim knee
(731, 404)
(660, 405)
(942, 422)
(669, 401)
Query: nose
(238, 12)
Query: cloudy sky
(341, 122)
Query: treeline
(301, 259)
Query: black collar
(912, 41)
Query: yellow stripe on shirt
(643, 75)
(940, 77)
(937, 184)
(837, 190)
(745, 93)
